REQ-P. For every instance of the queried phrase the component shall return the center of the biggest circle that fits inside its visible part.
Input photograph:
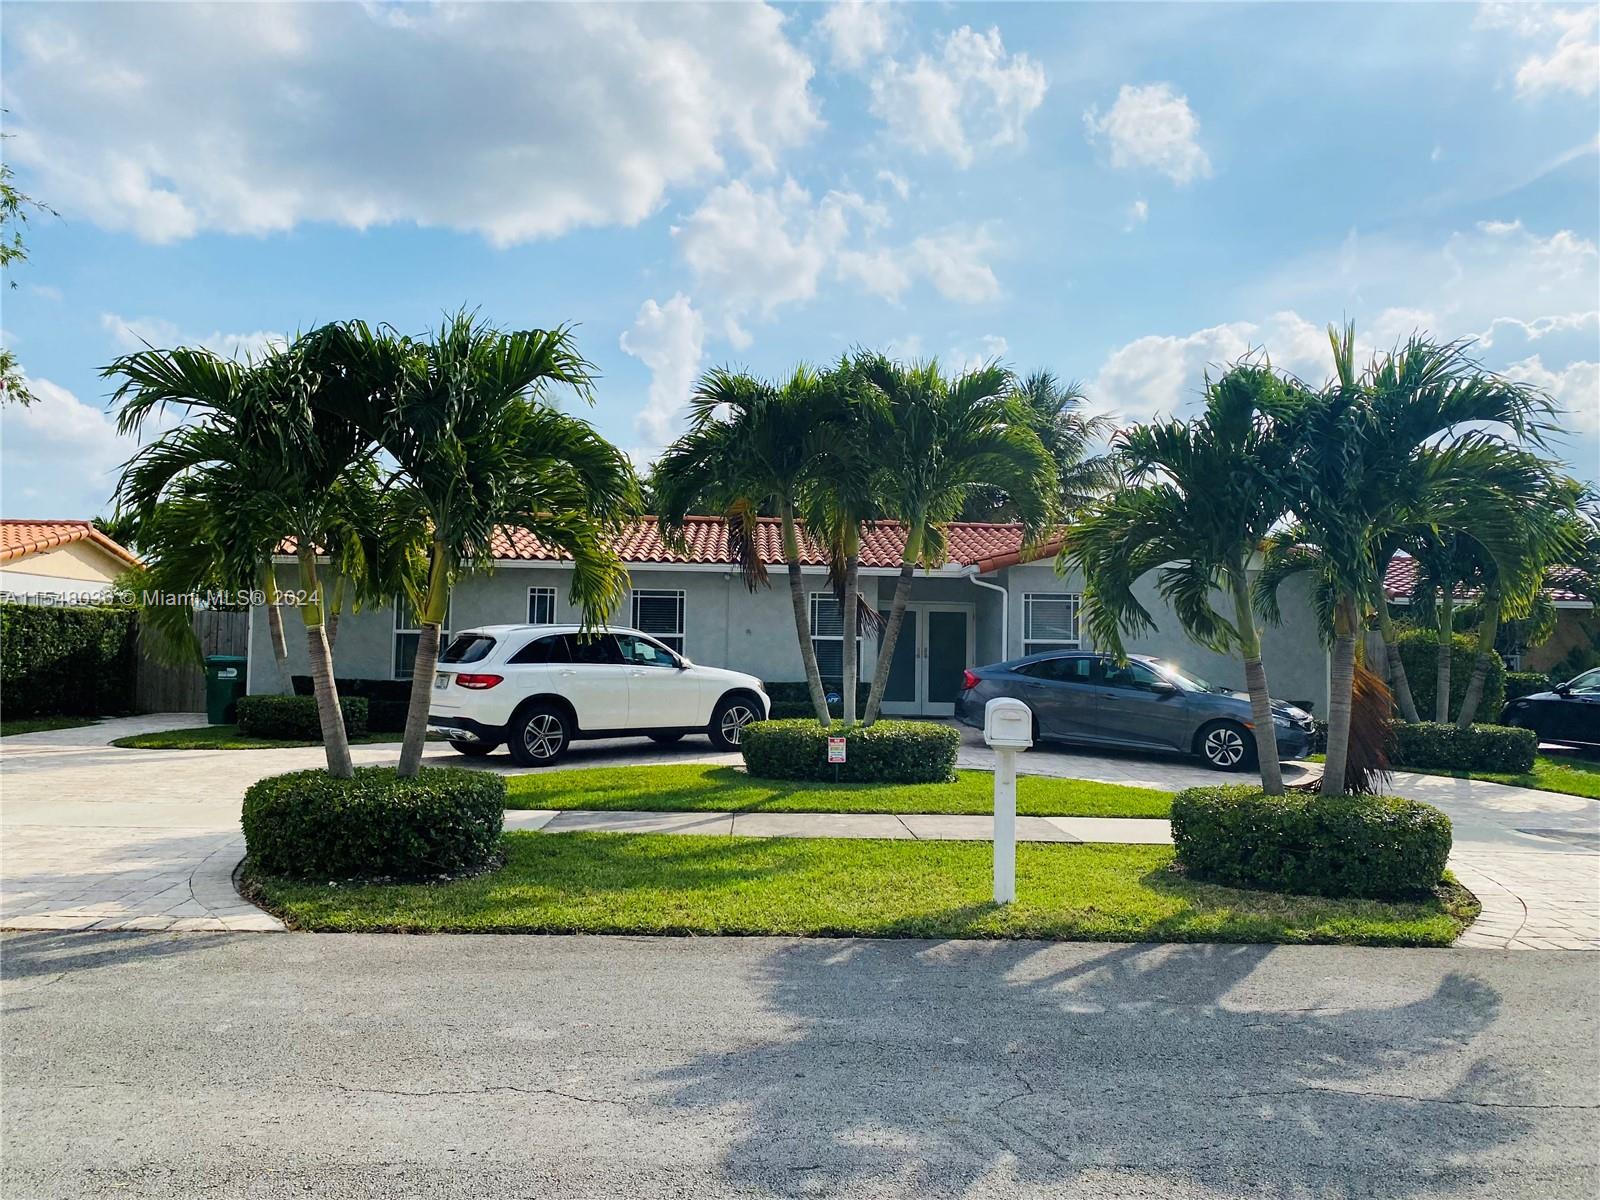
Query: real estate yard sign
(835, 750)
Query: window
(468, 648)
(552, 648)
(827, 638)
(1133, 677)
(1072, 669)
(598, 650)
(642, 652)
(407, 630)
(660, 614)
(541, 606)
(1049, 621)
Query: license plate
(441, 680)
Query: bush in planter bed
(1377, 846)
(888, 752)
(792, 700)
(387, 699)
(1526, 683)
(309, 825)
(295, 717)
(1419, 651)
(1430, 746)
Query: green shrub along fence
(1432, 747)
(792, 700)
(1526, 683)
(308, 825)
(68, 662)
(888, 752)
(295, 718)
(1374, 846)
(387, 699)
(1419, 651)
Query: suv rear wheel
(732, 714)
(540, 736)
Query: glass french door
(934, 648)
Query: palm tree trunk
(1391, 653)
(435, 604)
(1255, 683)
(1488, 627)
(1444, 659)
(335, 741)
(280, 642)
(852, 622)
(891, 635)
(802, 620)
(1341, 682)
(334, 610)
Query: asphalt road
(178, 1065)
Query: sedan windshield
(1586, 684)
(1189, 681)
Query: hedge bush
(309, 825)
(1419, 651)
(888, 752)
(1374, 846)
(67, 662)
(295, 717)
(387, 699)
(1526, 683)
(1430, 746)
(793, 700)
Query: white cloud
(669, 339)
(970, 96)
(898, 183)
(1571, 64)
(471, 117)
(882, 272)
(990, 348)
(62, 450)
(1576, 390)
(136, 333)
(856, 31)
(954, 262)
(1138, 214)
(1151, 125)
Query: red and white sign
(836, 750)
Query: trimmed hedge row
(295, 717)
(793, 700)
(1526, 683)
(309, 825)
(68, 662)
(1419, 652)
(1374, 846)
(1431, 746)
(887, 752)
(387, 699)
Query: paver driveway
(100, 837)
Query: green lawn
(1572, 775)
(683, 884)
(40, 724)
(227, 737)
(691, 787)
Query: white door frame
(920, 705)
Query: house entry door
(934, 648)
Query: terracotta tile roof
(18, 538)
(1401, 577)
(707, 543)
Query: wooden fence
(162, 687)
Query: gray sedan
(1144, 704)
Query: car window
(552, 648)
(1060, 670)
(1132, 676)
(642, 652)
(467, 648)
(599, 649)
(1587, 684)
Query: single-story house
(59, 561)
(990, 601)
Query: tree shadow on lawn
(933, 1069)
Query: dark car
(1570, 712)
(1144, 704)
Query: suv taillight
(477, 682)
(968, 681)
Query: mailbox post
(1007, 728)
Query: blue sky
(1121, 194)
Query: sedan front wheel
(1228, 747)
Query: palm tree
(477, 447)
(748, 450)
(945, 438)
(1444, 561)
(1207, 493)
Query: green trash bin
(224, 686)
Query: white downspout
(1005, 610)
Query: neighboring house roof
(972, 543)
(1400, 578)
(21, 538)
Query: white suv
(537, 687)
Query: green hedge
(1526, 683)
(295, 717)
(1419, 651)
(67, 662)
(387, 699)
(793, 700)
(1376, 846)
(888, 752)
(1430, 746)
(309, 825)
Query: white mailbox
(1007, 724)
